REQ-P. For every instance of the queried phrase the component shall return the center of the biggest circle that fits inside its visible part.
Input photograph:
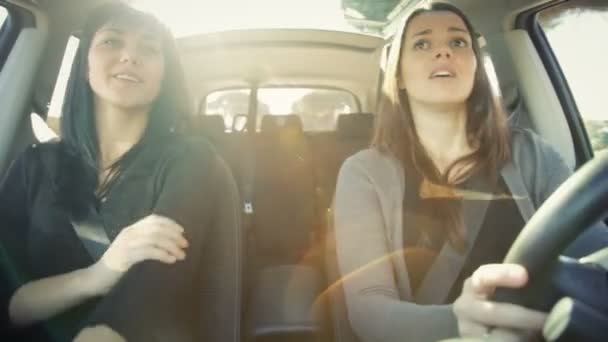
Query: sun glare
(189, 17)
(3, 15)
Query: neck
(118, 130)
(442, 131)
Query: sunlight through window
(188, 17)
(3, 15)
(581, 53)
(62, 79)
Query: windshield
(190, 17)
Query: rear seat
(293, 181)
(284, 183)
(212, 126)
(286, 283)
(231, 146)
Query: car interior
(284, 107)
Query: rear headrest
(211, 124)
(356, 125)
(275, 123)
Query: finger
(468, 328)
(165, 221)
(467, 288)
(178, 237)
(158, 241)
(151, 253)
(487, 277)
(506, 315)
(157, 220)
(171, 229)
(159, 226)
(164, 232)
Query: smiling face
(437, 63)
(125, 66)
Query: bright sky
(2, 15)
(280, 101)
(580, 46)
(198, 16)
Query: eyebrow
(450, 29)
(145, 36)
(112, 29)
(457, 29)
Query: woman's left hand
(481, 318)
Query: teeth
(127, 78)
(442, 74)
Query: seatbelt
(92, 234)
(440, 278)
(248, 175)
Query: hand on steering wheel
(481, 318)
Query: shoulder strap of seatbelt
(92, 234)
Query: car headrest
(511, 98)
(275, 123)
(355, 125)
(211, 124)
(513, 104)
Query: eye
(422, 44)
(459, 43)
(110, 42)
(151, 49)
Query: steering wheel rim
(574, 207)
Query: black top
(175, 177)
(501, 225)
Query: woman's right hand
(152, 238)
(478, 317)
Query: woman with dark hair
(422, 216)
(104, 228)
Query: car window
(49, 129)
(318, 108)
(575, 31)
(230, 104)
(3, 15)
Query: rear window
(318, 108)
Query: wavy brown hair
(486, 126)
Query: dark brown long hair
(486, 125)
(169, 111)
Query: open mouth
(442, 74)
(128, 77)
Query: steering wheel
(576, 205)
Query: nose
(129, 55)
(443, 51)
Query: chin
(131, 105)
(448, 99)
(127, 101)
